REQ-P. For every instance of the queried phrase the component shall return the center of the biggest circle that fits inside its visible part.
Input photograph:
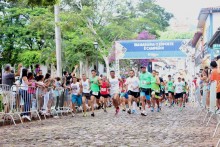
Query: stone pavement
(166, 128)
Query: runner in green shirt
(145, 88)
(95, 82)
(155, 87)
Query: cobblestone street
(167, 128)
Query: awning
(215, 38)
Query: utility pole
(58, 40)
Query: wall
(216, 22)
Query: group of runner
(148, 89)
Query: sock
(134, 105)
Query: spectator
(8, 77)
(215, 76)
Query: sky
(186, 11)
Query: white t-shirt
(75, 88)
(178, 87)
(132, 83)
(85, 85)
(114, 85)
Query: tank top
(114, 84)
(75, 88)
(94, 84)
(170, 86)
(154, 86)
(85, 85)
(24, 86)
(104, 88)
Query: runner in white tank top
(114, 90)
(86, 93)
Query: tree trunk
(58, 40)
(80, 69)
(107, 65)
(86, 69)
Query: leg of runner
(84, 106)
(153, 101)
(170, 97)
(184, 99)
(130, 97)
(92, 101)
(181, 102)
(143, 99)
(116, 102)
(134, 105)
(105, 104)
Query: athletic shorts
(178, 95)
(105, 95)
(162, 93)
(87, 95)
(124, 95)
(112, 94)
(145, 91)
(218, 95)
(134, 94)
(167, 94)
(171, 93)
(77, 99)
(157, 94)
(184, 93)
(95, 94)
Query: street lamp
(96, 45)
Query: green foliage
(34, 3)
(29, 57)
(176, 35)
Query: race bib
(144, 82)
(95, 93)
(103, 89)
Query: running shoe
(217, 111)
(93, 114)
(181, 109)
(143, 113)
(184, 105)
(73, 114)
(84, 114)
(105, 110)
(134, 112)
(129, 111)
(158, 109)
(124, 110)
(117, 110)
(152, 109)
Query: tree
(111, 20)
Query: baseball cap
(142, 66)
(218, 57)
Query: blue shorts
(125, 95)
(77, 99)
(144, 94)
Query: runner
(123, 93)
(170, 90)
(178, 93)
(94, 93)
(155, 87)
(114, 91)
(145, 88)
(162, 90)
(85, 93)
(166, 93)
(104, 92)
(132, 85)
(184, 91)
(76, 90)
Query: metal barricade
(9, 104)
(26, 102)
